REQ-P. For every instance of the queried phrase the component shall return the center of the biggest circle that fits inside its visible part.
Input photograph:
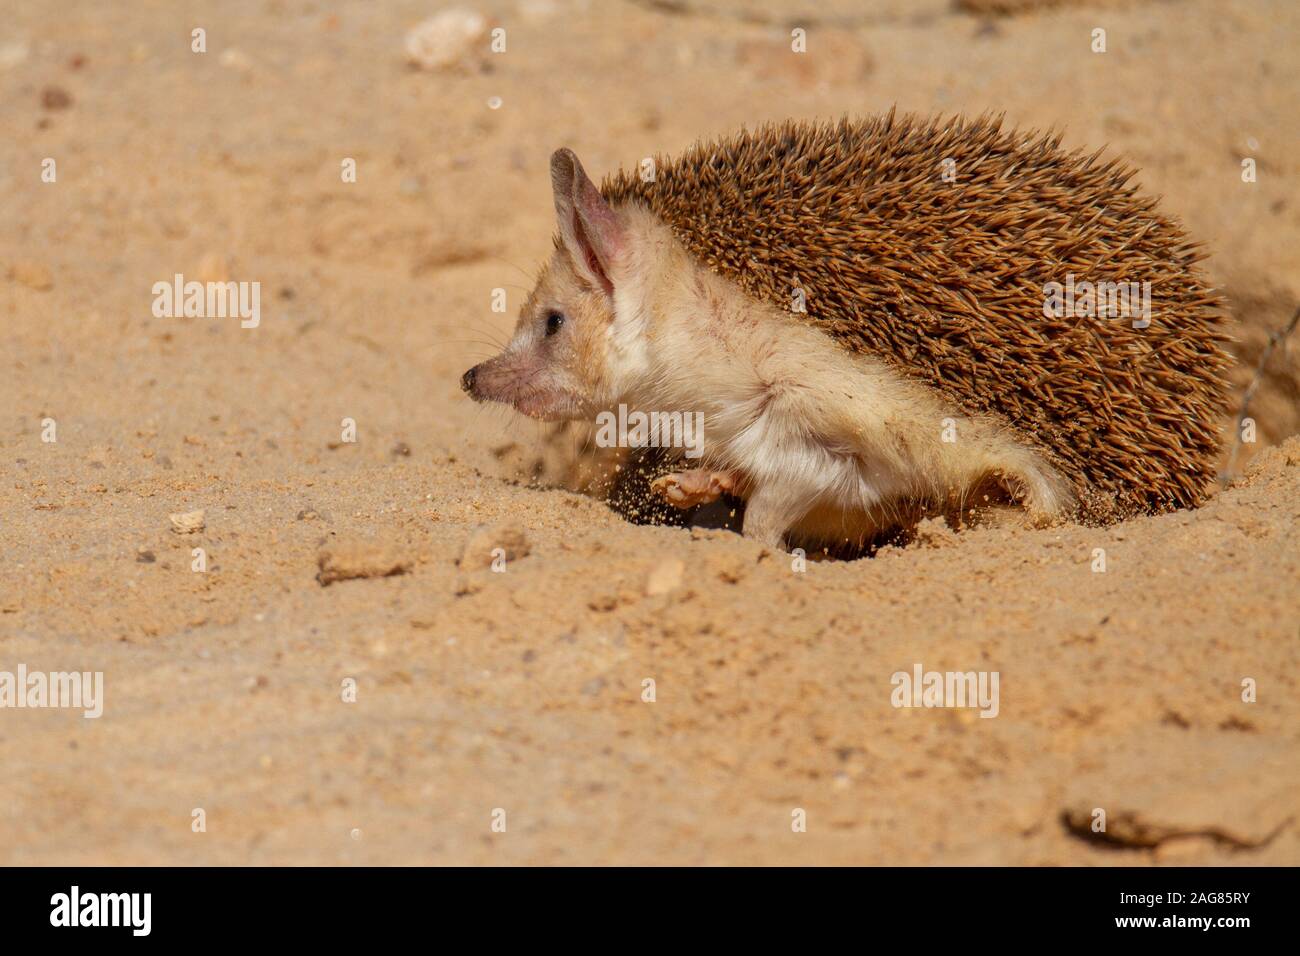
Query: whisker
(530, 276)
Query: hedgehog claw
(698, 486)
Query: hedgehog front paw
(698, 486)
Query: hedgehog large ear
(589, 229)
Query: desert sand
(226, 690)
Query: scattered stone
(665, 577)
(188, 522)
(346, 560)
(33, 275)
(445, 40)
(55, 98)
(145, 556)
(401, 449)
(508, 537)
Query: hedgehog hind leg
(1035, 486)
(770, 511)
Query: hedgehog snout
(467, 382)
(496, 380)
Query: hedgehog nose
(467, 380)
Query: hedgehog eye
(553, 322)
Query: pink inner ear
(591, 258)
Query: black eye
(553, 322)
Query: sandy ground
(522, 690)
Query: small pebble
(188, 522)
(510, 538)
(345, 560)
(446, 39)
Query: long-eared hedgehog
(874, 318)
